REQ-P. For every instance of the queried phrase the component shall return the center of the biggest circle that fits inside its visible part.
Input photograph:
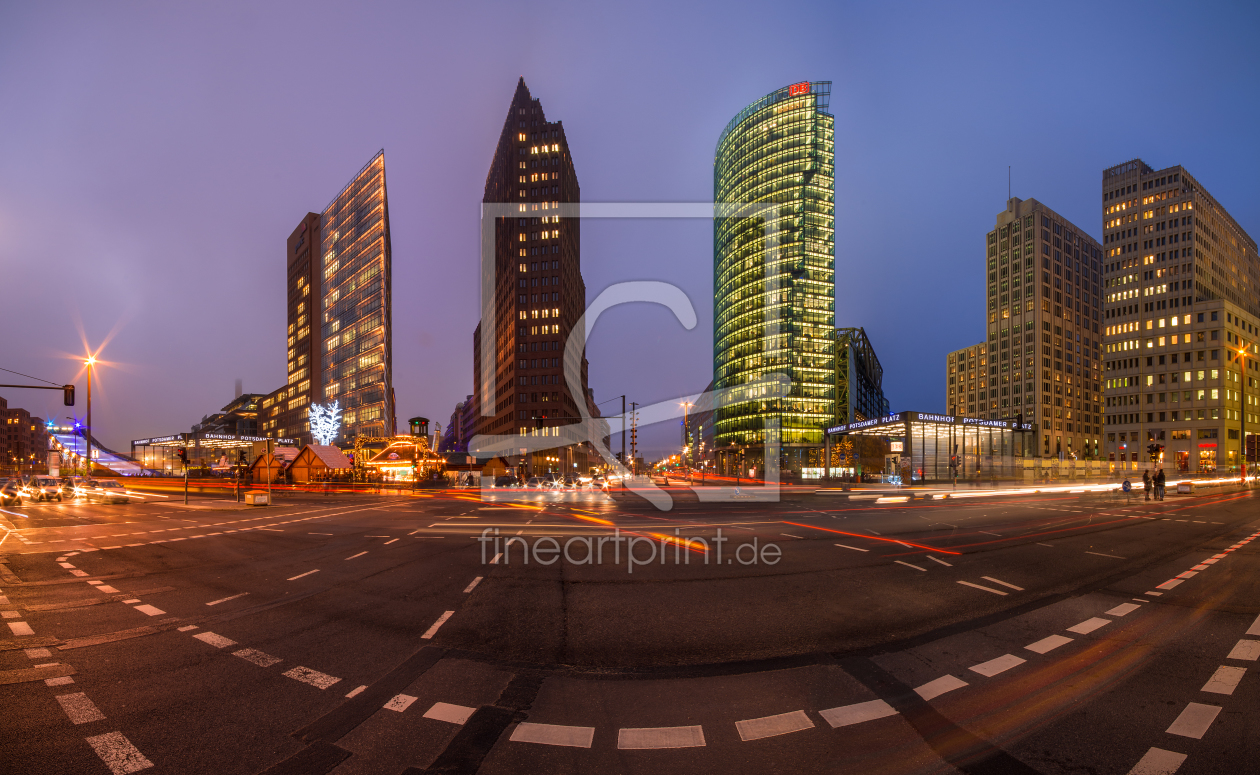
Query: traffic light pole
(185, 482)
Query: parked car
(106, 491)
(506, 481)
(10, 492)
(536, 483)
(43, 488)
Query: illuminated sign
(896, 446)
(797, 89)
(325, 422)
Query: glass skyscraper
(356, 328)
(774, 275)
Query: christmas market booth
(319, 463)
(407, 459)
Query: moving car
(106, 491)
(10, 492)
(43, 488)
(536, 483)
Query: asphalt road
(411, 633)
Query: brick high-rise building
(339, 322)
(1041, 356)
(1181, 325)
(539, 294)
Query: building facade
(967, 380)
(1043, 350)
(339, 336)
(859, 378)
(1181, 322)
(23, 441)
(539, 293)
(774, 276)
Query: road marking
(1245, 649)
(118, 753)
(942, 562)
(773, 726)
(848, 715)
(908, 565)
(1254, 629)
(187, 627)
(387, 543)
(934, 689)
(79, 708)
(1224, 680)
(1003, 583)
(61, 680)
(1123, 609)
(1194, 720)
(854, 548)
(553, 734)
(65, 564)
(986, 589)
(429, 633)
(1048, 643)
(257, 657)
(452, 714)
(21, 628)
(40, 653)
(218, 641)
(400, 702)
(1155, 594)
(1188, 574)
(149, 610)
(995, 666)
(495, 560)
(1112, 556)
(660, 737)
(999, 535)
(360, 554)
(313, 677)
(225, 599)
(132, 601)
(1089, 625)
(1169, 584)
(1041, 544)
(355, 692)
(474, 583)
(300, 575)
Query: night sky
(153, 159)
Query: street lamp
(1242, 416)
(90, 362)
(686, 405)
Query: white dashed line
(848, 715)
(452, 714)
(118, 753)
(355, 692)
(313, 677)
(981, 586)
(1248, 650)
(553, 734)
(854, 548)
(1123, 609)
(1112, 556)
(1088, 626)
(187, 627)
(21, 628)
(1047, 644)
(934, 689)
(218, 641)
(149, 610)
(942, 562)
(79, 708)
(1194, 720)
(1003, 583)
(429, 633)
(257, 657)
(908, 565)
(1224, 680)
(495, 560)
(225, 599)
(474, 583)
(773, 726)
(300, 575)
(995, 666)
(400, 702)
(660, 737)
(360, 554)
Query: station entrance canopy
(939, 447)
(204, 449)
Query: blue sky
(153, 159)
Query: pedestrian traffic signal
(182, 454)
(67, 395)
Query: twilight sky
(154, 157)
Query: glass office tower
(774, 275)
(356, 309)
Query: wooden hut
(318, 463)
(270, 466)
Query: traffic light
(1155, 451)
(240, 457)
(182, 454)
(67, 395)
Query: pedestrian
(1160, 480)
(1146, 483)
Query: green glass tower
(774, 276)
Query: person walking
(1160, 480)
(1146, 483)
